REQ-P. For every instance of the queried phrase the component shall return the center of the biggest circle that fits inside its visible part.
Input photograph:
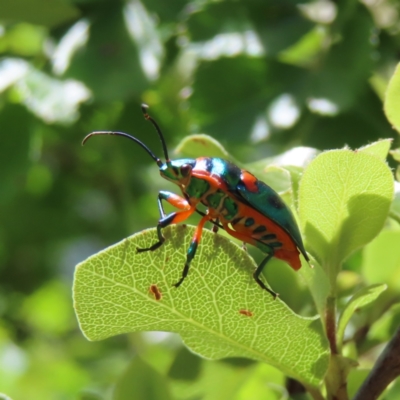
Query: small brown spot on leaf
(155, 291)
(247, 313)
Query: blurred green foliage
(260, 76)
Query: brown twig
(385, 370)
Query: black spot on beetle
(260, 229)
(275, 202)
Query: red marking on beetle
(247, 313)
(250, 181)
(155, 291)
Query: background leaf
(43, 12)
(360, 299)
(140, 381)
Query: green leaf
(361, 298)
(344, 200)
(109, 64)
(395, 206)
(140, 381)
(395, 153)
(166, 11)
(382, 260)
(296, 158)
(386, 326)
(392, 100)
(217, 18)
(305, 50)
(378, 149)
(201, 145)
(277, 177)
(355, 379)
(225, 381)
(230, 109)
(263, 383)
(342, 86)
(318, 283)
(50, 13)
(48, 309)
(186, 366)
(218, 310)
(278, 24)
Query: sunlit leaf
(318, 283)
(395, 206)
(392, 100)
(51, 99)
(344, 200)
(382, 259)
(378, 149)
(218, 310)
(395, 153)
(195, 146)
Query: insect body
(236, 200)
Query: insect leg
(192, 248)
(216, 225)
(173, 199)
(216, 222)
(259, 269)
(169, 219)
(257, 272)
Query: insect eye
(186, 169)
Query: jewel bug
(245, 207)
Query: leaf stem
(330, 307)
(330, 323)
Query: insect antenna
(152, 155)
(164, 145)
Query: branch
(385, 370)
